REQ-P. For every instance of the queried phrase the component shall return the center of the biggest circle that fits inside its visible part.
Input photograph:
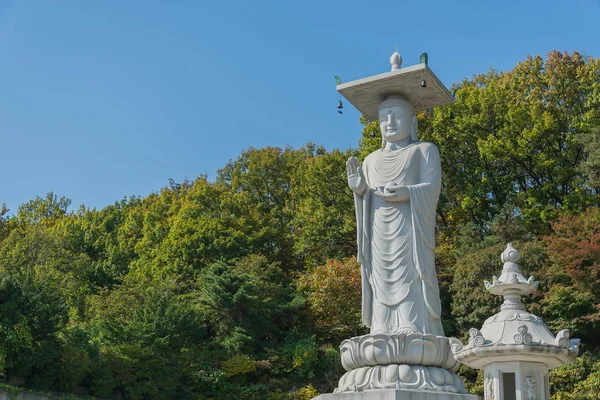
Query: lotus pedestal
(410, 366)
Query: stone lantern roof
(514, 334)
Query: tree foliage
(333, 293)
(518, 137)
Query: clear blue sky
(105, 99)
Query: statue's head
(397, 120)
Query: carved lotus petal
(431, 353)
(414, 353)
(381, 352)
(381, 349)
(401, 377)
(455, 345)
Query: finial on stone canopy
(396, 60)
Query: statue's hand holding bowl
(391, 187)
(394, 193)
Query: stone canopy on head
(368, 93)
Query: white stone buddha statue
(396, 192)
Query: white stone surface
(514, 334)
(396, 193)
(401, 376)
(511, 282)
(366, 94)
(480, 357)
(515, 341)
(531, 380)
(412, 349)
(396, 61)
(394, 394)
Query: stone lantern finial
(511, 284)
(510, 254)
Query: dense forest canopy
(243, 288)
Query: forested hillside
(243, 288)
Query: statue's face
(396, 123)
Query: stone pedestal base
(412, 361)
(397, 394)
(394, 376)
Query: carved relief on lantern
(531, 386)
(489, 387)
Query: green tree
(322, 205)
(333, 295)
(246, 303)
(45, 208)
(571, 295)
(590, 166)
(37, 291)
(259, 184)
(517, 137)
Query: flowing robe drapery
(396, 241)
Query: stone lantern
(514, 348)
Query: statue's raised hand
(356, 177)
